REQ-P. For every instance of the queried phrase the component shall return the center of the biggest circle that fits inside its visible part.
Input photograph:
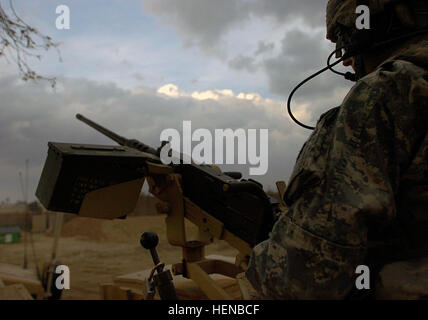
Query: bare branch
(18, 41)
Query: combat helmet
(391, 21)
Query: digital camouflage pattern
(340, 13)
(358, 191)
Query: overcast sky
(139, 67)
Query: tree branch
(18, 40)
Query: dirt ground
(98, 250)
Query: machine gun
(101, 181)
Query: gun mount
(105, 182)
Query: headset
(382, 26)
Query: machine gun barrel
(119, 139)
(132, 143)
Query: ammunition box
(72, 172)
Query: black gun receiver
(105, 182)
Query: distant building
(10, 234)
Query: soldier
(359, 190)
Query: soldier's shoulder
(393, 82)
(396, 74)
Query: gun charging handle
(160, 279)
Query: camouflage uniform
(357, 189)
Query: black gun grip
(149, 240)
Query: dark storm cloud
(264, 47)
(241, 62)
(302, 54)
(204, 22)
(312, 11)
